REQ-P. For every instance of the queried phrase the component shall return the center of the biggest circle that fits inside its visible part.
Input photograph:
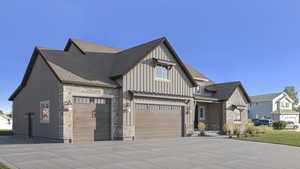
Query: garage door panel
(158, 123)
(91, 119)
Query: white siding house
(5, 122)
(275, 106)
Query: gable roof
(196, 74)
(93, 68)
(268, 97)
(86, 47)
(125, 60)
(223, 91)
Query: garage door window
(89, 100)
(156, 107)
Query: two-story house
(90, 92)
(275, 106)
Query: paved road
(181, 153)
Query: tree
(291, 91)
(1, 112)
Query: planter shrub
(279, 124)
(201, 127)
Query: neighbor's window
(237, 115)
(161, 72)
(287, 104)
(45, 111)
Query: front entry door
(199, 115)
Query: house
(275, 106)
(90, 92)
(5, 121)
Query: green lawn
(6, 132)
(277, 136)
(2, 166)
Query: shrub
(279, 124)
(229, 129)
(201, 127)
(251, 130)
(263, 129)
(236, 129)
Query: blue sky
(254, 41)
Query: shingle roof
(264, 97)
(126, 59)
(93, 47)
(223, 91)
(196, 74)
(77, 69)
(91, 67)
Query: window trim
(41, 111)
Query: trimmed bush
(279, 124)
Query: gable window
(45, 111)
(161, 72)
(287, 104)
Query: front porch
(209, 111)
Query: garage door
(293, 119)
(91, 120)
(158, 121)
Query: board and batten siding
(141, 77)
(42, 85)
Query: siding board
(141, 77)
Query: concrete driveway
(181, 153)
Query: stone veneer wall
(71, 90)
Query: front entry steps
(211, 133)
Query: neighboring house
(89, 92)
(275, 106)
(5, 122)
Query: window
(161, 72)
(45, 111)
(198, 90)
(90, 100)
(156, 107)
(287, 104)
(201, 112)
(237, 115)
